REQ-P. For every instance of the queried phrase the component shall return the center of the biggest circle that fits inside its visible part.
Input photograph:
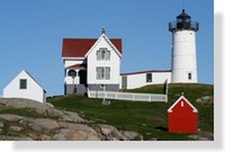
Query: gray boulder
(40, 124)
(45, 109)
(131, 135)
(205, 99)
(16, 128)
(10, 117)
(108, 132)
(1, 124)
(75, 132)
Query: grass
(148, 119)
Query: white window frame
(103, 54)
(103, 73)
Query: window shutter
(98, 55)
(107, 72)
(98, 73)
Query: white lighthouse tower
(184, 66)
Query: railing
(173, 26)
(144, 97)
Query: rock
(132, 135)
(16, 128)
(10, 117)
(205, 99)
(199, 100)
(143, 124)
(64, 115)
(40, 124)
(75, 132)
(202, 135)
(177, 95)
(52, 112)
(37, 136)
(108, 132)
(49, 104)
(1, 124)
(20, 103)
(71, 115)
(23, 138)
(153, 139)
(46, 137)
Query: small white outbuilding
(24, 86)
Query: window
(189, 76)
(103, 73)
(72, 73)
(23, 83)
(149, 77)
(103, 54)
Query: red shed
(182, 117)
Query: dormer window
(103, 54)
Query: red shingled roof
(79, 47)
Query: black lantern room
(183, 22)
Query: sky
(31, 34)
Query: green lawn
(148, 119)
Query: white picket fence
(144, 97)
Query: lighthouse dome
(183, 22)
(183, 15)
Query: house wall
(113, 63)
(139, 80)
(33, 91)
(69, 62)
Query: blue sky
(32, 32)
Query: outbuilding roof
(78, 47)
(182, 98)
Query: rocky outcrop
(22, 119)
(43, 109)
(205, 99)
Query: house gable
(182, 99)
(30, 89)
(104, 37)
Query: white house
(92, 64)
(139, 79)
(24, 86)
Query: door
(124, 82)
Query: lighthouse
(184, 63)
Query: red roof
(73, 47)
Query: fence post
(166, 98)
